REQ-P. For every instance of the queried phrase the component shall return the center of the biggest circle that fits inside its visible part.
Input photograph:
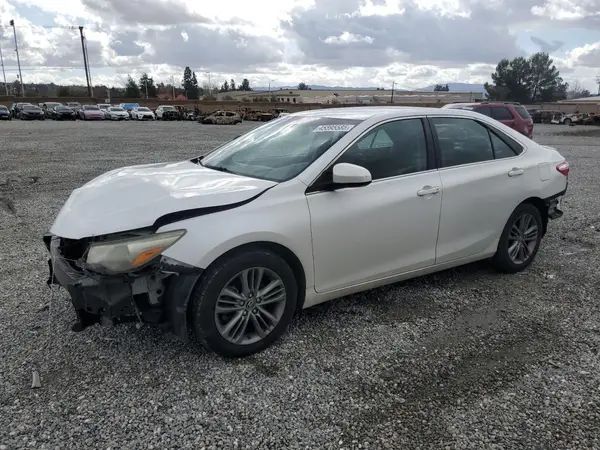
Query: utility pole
(393, 85)
(598, 81)
(12, 24)
(209, 85)
(3, 72)
(173, 85)
(85, 62)
(146, 86)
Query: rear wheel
(520, 239)
(244, 303)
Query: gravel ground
(466, 358)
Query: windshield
(168, 108)
(281, 149)
(91, 108)
(73, 104)
(103, 106)
(30, 108)
(143, 109)
(62, 108)
(3, 108)
(117, 109)
(52, 105)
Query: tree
(441, 88)
(64, 91)
(535, 79)
(245, 86)
(302, 87)
(146, 84)
(190, 84)
(132, 90)
(232, 86)
(225, 87)
(577, 90)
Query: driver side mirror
(350, 175)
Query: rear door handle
(428, 190)
(516, 172)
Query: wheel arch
(284, 252)
(542, 208)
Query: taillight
(563, 168)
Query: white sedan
(304, 209)
(142, 113)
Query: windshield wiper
(219, 168)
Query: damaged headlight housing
(130, 254)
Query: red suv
(511, 114)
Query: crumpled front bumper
(159, 294)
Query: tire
(204, 300)
(502, 260)
(567, 122)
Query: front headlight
(130, 254)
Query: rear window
(502, 113)
(485, 110)
(523, 113)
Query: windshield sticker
(324, 128)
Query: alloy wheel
(522, 239)
(250, 306)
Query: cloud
(145, 12)
(418, 36)
(343, 42)
(545, 46)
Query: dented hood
(135, 197)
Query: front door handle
(516, 172)
(428, 190)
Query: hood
(92, 112)
(135, 197)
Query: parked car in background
(91, 112)
(566, 119)
(142, 113)
(48, 107)
(62, 112)
(31, 112)
(104, 108)
(17, 107)
(414, 190)
(223, 118)
(129, 107)
(116, 113)
(511, 114)
(75, 106)
(5, 113)
(166, 112)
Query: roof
(366, 112)
(595, 99)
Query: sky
(352, 43)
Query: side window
(502, 141)
(501, 148)
(485, 110)
(462, 141)
(392, 149)
(502, 113)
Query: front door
(387, 227)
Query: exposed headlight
(130, 254)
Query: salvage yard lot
(466, 358)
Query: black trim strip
(185, 214)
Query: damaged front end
(153, 289)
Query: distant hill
(319, 87)
(457, 87)
(454, 87)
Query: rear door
(483, 180)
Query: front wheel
(244, 303)
(520, 239)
